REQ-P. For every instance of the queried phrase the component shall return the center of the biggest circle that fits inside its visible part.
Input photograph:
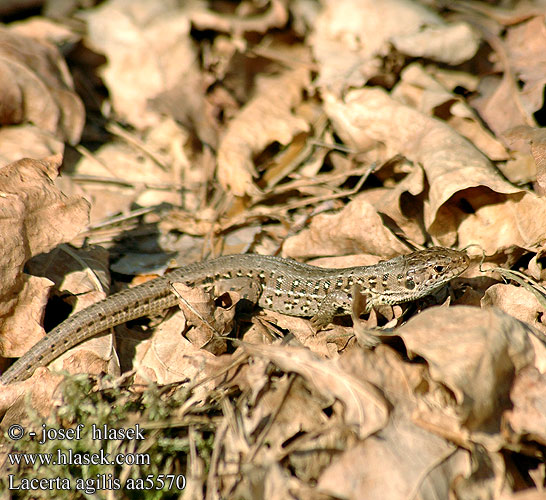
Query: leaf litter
(337, 133)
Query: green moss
(155, 414)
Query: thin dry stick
(90, 156)
(122, 218)
(115, 129)
(90, 273)
(319, 199)
(162, 186)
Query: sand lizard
(284, 285)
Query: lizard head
(410, 277)
(426, 271)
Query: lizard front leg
(335, 303)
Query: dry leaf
(266, 118)
(36, 87)
(400, 207)
(275, 16)
(536, 139)
(526, 47)
(499, 105)
(420, 88)
(84, 274)
(451, 163)
(474, 352)
(398, 463)
(402, 458)
(124, 162)
(149, 52)
(46, 29)
(453, 43)
(35, 217)
(509, 15)
(43, 389)
(200, 310)
(168, 357)
(365, 409)
(517, 302)
(21, 323)
(447, 406)
(350, 36)
(296, 410)
(527, 419)
(27, 141)
(499, 222)
(342, 233)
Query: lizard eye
(410, 284)
(439, 269)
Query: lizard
(284, 285)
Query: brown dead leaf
(520, 170)
(36, 87)
(350, 37)
(524, 305)
(43, 390)
(499, 222)
(168, 357)
(342, 233)
(96, 355)
(296, 410)
(475, 353)
(526, 48)
(275, 16)
(77, 272)
(272, 482)
(181, 104)
(452, 43)
(402, 457)
(127, 163)
(386, 369)
(84, 274)
(49, 217)
(506, 15)
(285, 422)
(266, 118)
(517, 302)
(400, 207)
(398, 463)
(420, 88)
(451, 163)
(27, 141)
(498, 104)
(536, 139)
(35, 217)
(46, 29)
(501, 104)
(527, 419)
(200, 310)
(291, 412)
(529, 494)
(365, 409)
(22, 321)
(149, 51)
